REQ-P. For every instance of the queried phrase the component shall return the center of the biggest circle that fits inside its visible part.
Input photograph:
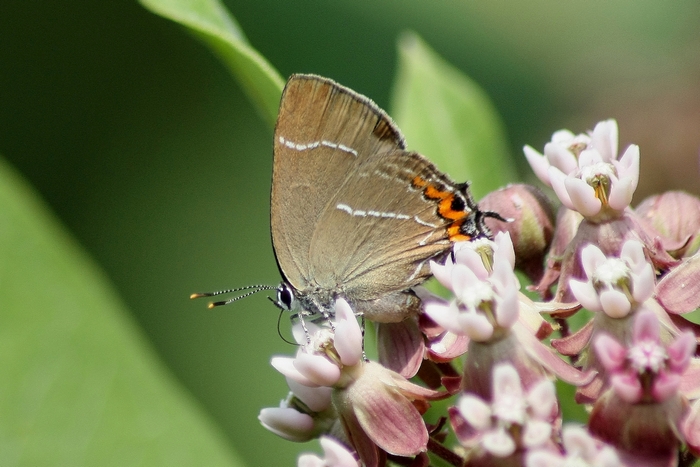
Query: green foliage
(209, 20)
(79, 384)
(448, 118)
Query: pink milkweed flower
(593, 181)
(374, 405)
(615, 285)
(616, 288)
(579, 449)
(501, 323)
(599, 189)
(305, 414)
(335, 454)
(485, 288)
(642, 412)
(515, 421)
(646, 371)
(565, 148)
(585, 171)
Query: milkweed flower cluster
(613, 284)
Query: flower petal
(538, 163)
(390, 420)
(507, 308)
(605, 139)
(557, 179)
(468, 257)
(475, 411)
(444, 314)
(544, 458)
(591, 258)
(615, 303)
(476, 326)
(691, 427)
(337, 455)
(287, 423)
(643, 284)
(536, 433)
(646, 327)
(621, 193)
(582, 197)
(542, 399)
(348, 335)
(633, 253)
(610, 353)
(310, 460)
(285, 365)
(499, 443)
(628, 165)
(679, 290)
(586, 295)
(560, 157)
(504, 248)
(627, 387)
(680, 351)
(577, 441)
(443, 273)
(317, 369)
(401, 346)
(316, 398)
(665, 385)
(462, 278)
(589, 157)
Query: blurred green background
(146, 149)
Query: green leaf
(449, 119)
(211, 22)
(78, 383)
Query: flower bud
(676, 217)
(532, 225)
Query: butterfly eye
(285, 296)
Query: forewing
(324, 132)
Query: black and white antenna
(251, 288)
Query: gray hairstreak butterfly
(353, 214)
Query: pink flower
(485, 288)
(618, 287)
(614, 285)
(515, 420)
(643, 411)
(585, 172)
(580, 449)
(646, 371)
(334, 455)
(565, 148)
(500, 322)
(373, 404)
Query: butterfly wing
(382, 241)
(324, 132)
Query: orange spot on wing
(433, 193)
(454, 233)
(419, 182)
(446, 211)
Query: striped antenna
(252, 289)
